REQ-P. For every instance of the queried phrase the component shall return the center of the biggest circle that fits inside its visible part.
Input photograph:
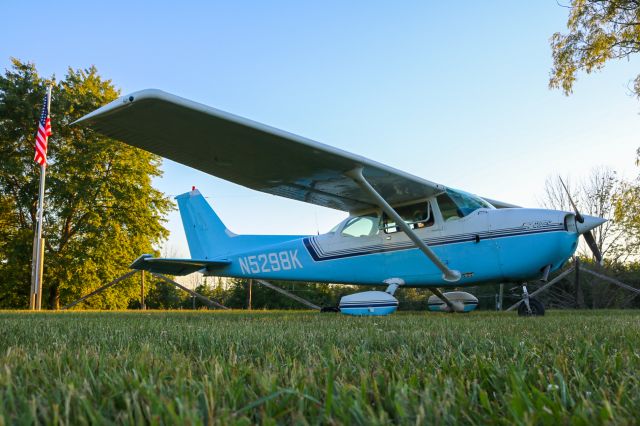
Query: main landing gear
(529, 307)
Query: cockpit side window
(417, 216)
(456, 204)
(448, 208)
(361, 226)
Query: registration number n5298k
(270, 262)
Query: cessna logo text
(270, 262)
(537, 224)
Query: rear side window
(417, 216)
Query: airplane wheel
(329, 309)
(537, 309)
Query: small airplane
(402, 230)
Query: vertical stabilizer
(206, 235)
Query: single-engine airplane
(402, 230)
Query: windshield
(456, 204)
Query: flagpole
(40, 251)
(38, 260)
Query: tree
(162, 295)
(599, 30)
(627, 208)
(596, 195)
(101, 211)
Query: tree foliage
(595, 195)
(101, 211)
(599, 30)
(627, 208)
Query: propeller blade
(588, 235)
(591, 242)
(579, 217)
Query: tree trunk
(54, 296)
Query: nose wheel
(530, 307)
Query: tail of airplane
(206, 235)
(209, 238)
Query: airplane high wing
(252, 154)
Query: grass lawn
(300, 367)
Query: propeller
(591, 242)
(586, 230)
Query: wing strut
(449, 275)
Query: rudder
(207, 236)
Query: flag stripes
(44, 131)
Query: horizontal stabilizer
(146, 262)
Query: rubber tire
(537, 309)
(332, 309)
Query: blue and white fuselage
(486, 244)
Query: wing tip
(139, 263)
(123, 102)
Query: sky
(454, 92)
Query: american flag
(44, 131)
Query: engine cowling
(467, 301)
(368, 303)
